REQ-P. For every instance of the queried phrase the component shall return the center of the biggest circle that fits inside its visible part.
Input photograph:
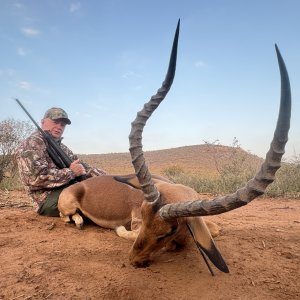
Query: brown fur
(119, 206)
(156, 233)
(102, 199)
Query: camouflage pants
(49, 206)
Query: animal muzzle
(139, 261)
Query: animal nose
(142, 263)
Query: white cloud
(30, 32)
(75, 6)
(25, 85)
(21, 51)
(199, 64)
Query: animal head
(166, 208)
(154, 234)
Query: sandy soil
(42, 258)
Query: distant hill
(201, 159)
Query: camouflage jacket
(38, 172)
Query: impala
(163, 214)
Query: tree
(12, 132)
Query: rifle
(59, 157)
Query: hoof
(65, 219)
(79, 226)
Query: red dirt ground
(42, 258)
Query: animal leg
(136, 220)
(126, 234)
(68, 206)
(135, 226)
(65, 219)
(78, 220)
(213, 228)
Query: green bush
(235, 174)
(287, 181)
(11, 183)
(199, 183)
(12, 133)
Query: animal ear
(205, 242)
(130, 179)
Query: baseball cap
(55, 113)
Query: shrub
(12, 132)
(287, 181)
(11, 183)
(236, 173)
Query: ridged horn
(265, 176)
(135, 138)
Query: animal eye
(173, 231)
(160, 238)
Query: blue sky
(101, 60)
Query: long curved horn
(266, 175)
(137, 126)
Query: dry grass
(207, 168)
(199, 159)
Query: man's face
(54, 127)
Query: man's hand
(77, 168)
